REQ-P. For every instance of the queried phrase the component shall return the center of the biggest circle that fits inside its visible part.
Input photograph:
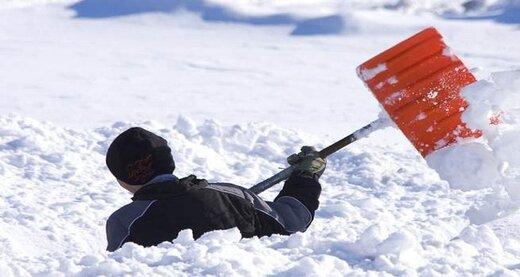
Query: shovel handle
(324, 153)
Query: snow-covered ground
(252, 81)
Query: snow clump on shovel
(492, 161)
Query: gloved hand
(308, 162)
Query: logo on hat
(141, 170)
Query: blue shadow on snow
(507, 15)
(333, 24)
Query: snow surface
(492, 161)
(235, 89)
(381, 210)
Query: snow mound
(278, 11)
(492, 161)
(501, 11)
(381, 211)
(321, 20)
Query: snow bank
(492, 161)
(288, 8)
(381, 210)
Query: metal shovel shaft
(324, 153)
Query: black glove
(308, 162)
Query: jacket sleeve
(305, 189)
(295, 205)
(292, 211)
(116, 233)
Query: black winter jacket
(167, 205)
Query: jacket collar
(162, 178)
(164, 186)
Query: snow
(393, 98)
(448, 52)
(492, 161)
(236, 88)
(381, 210)
(466, 166)
(369, 73)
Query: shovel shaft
(273, 180)
(363, 132)
(324, 153)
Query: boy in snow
(163, 205)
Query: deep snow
(381, 210)
(66, 77)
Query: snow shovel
(418, 83)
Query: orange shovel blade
(418, 82)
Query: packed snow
(235, 87)
(492, 161)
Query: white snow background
(235, 87)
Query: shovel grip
(324, 153)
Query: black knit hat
(136, 156)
